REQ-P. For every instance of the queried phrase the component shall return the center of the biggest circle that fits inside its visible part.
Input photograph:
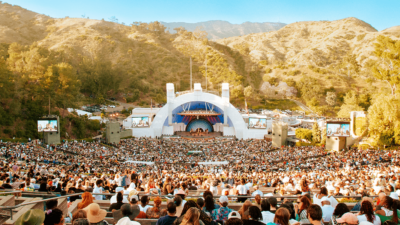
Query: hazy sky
(381, 14)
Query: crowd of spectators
(233, 170)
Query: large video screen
(140, 122)
(47, 125)
(258, 123)
(338, 129)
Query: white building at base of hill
(197, 109)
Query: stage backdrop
(199, 123)
(197, 106)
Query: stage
(187, 135)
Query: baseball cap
(134, 197)
(349, 218)
(234, 214)
(323, 199)
(223, 199)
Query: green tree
(271, 80)
(349, 64)
(248, 92)
(350, 104)
(302, 133)
(290, 82)
(384, 120)
(387, 67)
(316, 133)
(309, 87)
(313, 102)
(237, 91)
(323, 138)
(5, 80)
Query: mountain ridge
(218, 29)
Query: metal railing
(9, 192)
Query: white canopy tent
(140, 162)
(213, 163)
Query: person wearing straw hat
(95, 215)
(31, 217)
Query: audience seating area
(11, 200)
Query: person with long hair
(255, 217)
(209, 205)
(118, 204)
(168, 187)
(155, 211)
(205, 219)
(289, 206)
(386, 210)
(87, 199)
(304, 185)
(367, 213)
(191, 217)
(179, 205)
(243, 210)
(209, 193)
(282, 217)
(301, 209)
(340, 209)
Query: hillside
(218, 29)
(317, 49)
(311, 43)
(20, 25)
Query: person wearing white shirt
(327, 209)
(242, 189)
(114, 198)
(98, 189)
(214, 187)
(363, 218)
(368, 213)
(256, 192)
(249, 184)
(132, 186)
(268, 217)
(143, 205)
